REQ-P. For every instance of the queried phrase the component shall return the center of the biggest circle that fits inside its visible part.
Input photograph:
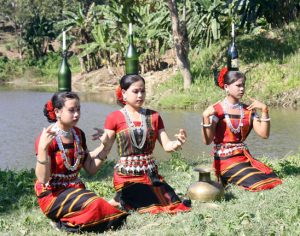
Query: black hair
(233, 76)
(128, 80)
(58, 101)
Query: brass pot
(205, 189)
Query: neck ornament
(60, 132)
(78, 152)
(142, 130)
(227, 118)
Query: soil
(104, 79)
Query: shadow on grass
(261, 49)
(228, 196)
(17, 190)
(288, 168)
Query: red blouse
(116, 121)
(224, 134)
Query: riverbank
(272, 212)
(270, 60)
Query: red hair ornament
(119, 95)
(222, 73)
(50, 110)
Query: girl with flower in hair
(227, 124)
(61, 152)
(136, 180)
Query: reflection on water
(21, 120)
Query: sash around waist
(229, 149)
(137, 165)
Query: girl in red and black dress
(61, 152)
(136, 180)
(227, 124)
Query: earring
(125, 99)
(226, 91)
(58, 117)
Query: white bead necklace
(61, 132)
(141, 130)
(78, 154)
(227, 118)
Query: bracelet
(43, 162)
(206, 125)
(265, 119)
(101, 158)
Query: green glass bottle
(131, 57)
(64, 75)
(232, 53)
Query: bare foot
(114, 203)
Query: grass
(270, 61)
(273, 212)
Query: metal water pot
(205, 189)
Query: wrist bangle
(206, 125)
(43, 162)
(265, 119)
(101, 158)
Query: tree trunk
(181, 44)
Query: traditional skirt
(78, 209)
(234, 164)
(147, 193)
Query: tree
(181, 44)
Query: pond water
(21, 121)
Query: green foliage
(269, 59)
(177, 163)
(37, 33)
(17, 191)
(285, 167)
(10, 69)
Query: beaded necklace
(61, 132)
(77, 154)
(227, 119)
(139, 130)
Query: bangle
(206, 125)
(101, 158)
(43, 162)
(265, 119)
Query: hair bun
(221, 76)
(119, 96)
(49, 111)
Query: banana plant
(203, 22)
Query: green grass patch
(270, 61)
(272, 212)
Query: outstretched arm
(167, 144)
(96, 158)
(261, 126)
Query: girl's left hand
(100, 134)
(256, 105)
(181, 136)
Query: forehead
(71, 102)
(239, 81)
(137, 84)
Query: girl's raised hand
(256, 105)
(46, 137)
(181, 136)
(98, 134)
(210, 110)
